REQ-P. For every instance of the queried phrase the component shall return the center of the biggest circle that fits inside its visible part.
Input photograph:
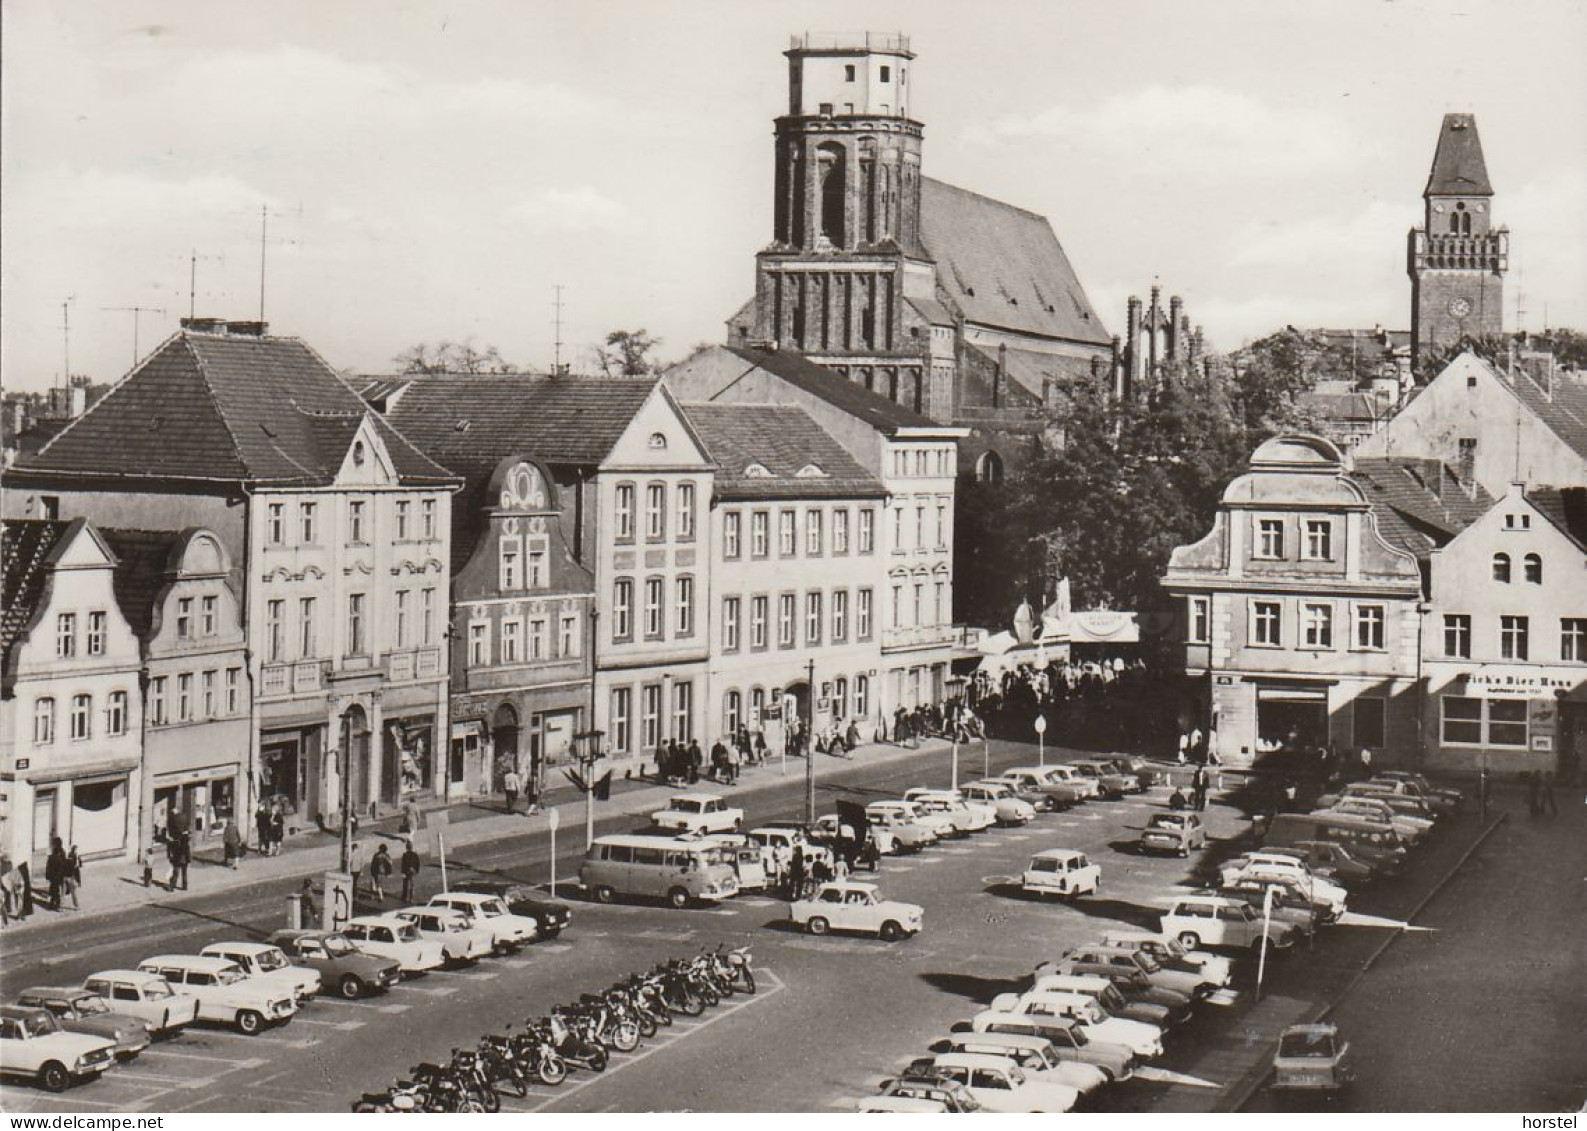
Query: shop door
(278, 771)
(557, 742)
(43, 820)
(99, 817)
(1291, 720)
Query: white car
(940, 824)
(394, 938)
(269, 966)
(831, 827)
(1061, 872)
(1143, 1040)
(1067, 774)
(33, 1044)
(1000, 1085)
(1036, 1055)
(908, 832)
(781, 840)
(225, 994)
(459, 940)
(1275, 865)
(1410, 829)
(967, 817)
(146, 996)
(1008, 809)
(1215, 970)
(698, 813)
(490, 912)
(1210, 920)
(850, 906)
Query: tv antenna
(137, 313)
(264, 232)
(556, 304)
(66, 340)
(192, 277)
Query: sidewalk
(115, 886)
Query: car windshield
(1304, 1043)
(228, 975)
(339, 945)
(42, 1024)
(91, 1003)
(493, 907)
(1044, 864)
(271, 960)
(1165, 821)
(684, 805)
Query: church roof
(819, 381)
(226, 408)
(778, 452)
(1003, 266)
(1458, 167)
(1032, 370)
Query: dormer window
(810, 471)
(757, 471)
(658, 441)
(358, 453)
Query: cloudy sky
(431, 170)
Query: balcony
(921, 637)
(422, 663)
(292, 679)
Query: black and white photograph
(816, 558)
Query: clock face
(1460, 307)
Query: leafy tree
(1569, 348)
(451, 357)
(627, 353)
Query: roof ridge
(124, 378)
(1032, 213)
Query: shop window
(1573, 639)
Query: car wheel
(891, 931)
(1189, 940)
(604, 894)
(678, 897)
(351, 987)
(250, 1022)
(1184, 851)
(817, 925)
(53, 1077)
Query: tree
(1569, 348)
(452, 357)
(627, 354)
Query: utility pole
(556, 357)
(137, 313)
(810, 745)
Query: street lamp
(955, 682)
(587, 749)
(810, 744)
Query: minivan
(679, 871)
(1374, 844)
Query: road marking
(932, 860)
(246, 1062)
(330, 1024)
(394, 1007)
(72, 1099)
(433, 991)
(996, 881)
(1166, 1076)
(1357, 919)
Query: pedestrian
(306, 902)
(179, 852)
(1366, 762)
(379, 869)
(278, 827)
(10, 893)
(696, 759)
(1214, 758)
(820, 871)
(531, 791)
(410, 871)
(355, 864)
(1199, 788)
(1184, 746)
(55, 871)
(1549, 805)
(796, 873)
(74, 875)
(732, 764)
(1533, 788)
(719, 760)
(261, 822)
(231, 844)
(1196, 750)
(510, 785)
(25, 873)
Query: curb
(1253, 1080)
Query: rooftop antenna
(192, 282)
(137, 313)
(66, 340)
(556, 303)
(264, 232)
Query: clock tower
(1457, 259)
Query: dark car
(344, 969)
(550, 915)
(83, 1011)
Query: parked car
(1394, 795)
(1061, 872)
(1143, 1040)
(1437, 804)
(551, 916)
(1290, 901)
(1002, 1086)
(850, 906)
(1072, 979)
(1055, 790)
(1085, 786)
(1066, 1035)
(460, 941)
(83, 1011)
(1145, 772)
(1179, 833)
(783, 837)
(1279, 865)
(1370, 842)
(743, 854)
(909, 833)
(1214, 970)
(967, 817)
(1377, 812)
(1218, 921)
(269, 966)
(225, 994)
(1035, 1055)
(33, 1045)
(1136, 961)
(342, 966)
(489, 911)
(698, 813)
(1453, 797)
(1111, 784)
(147, 996)
(829, 830)
(1334, 861)
(923, 1095)
(1312, 1058)
(1006, 806)
(393, 937)
(939, 823)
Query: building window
(812, 618)
(1573, 639)
(623, 609)
(427, 612)
(840, 531)
(840, 698)
(759, 534)
(509, 554)
(1368, 714)
(512, 640)
(683, 711)
(730, 624)
(815, 542)
(862, 695)
(233, 690)
(43, 721)
(356, 645)
(787, 533)
(157, 708)
(537, 639)
(920, 606)
(787, 612)
(82, 715)
(208, 616)
(1369, 627)
(1512, 638)
(116, 714)
(757, 622)
(402, 509)
(1518, 522)
(920, 527)
(1501, 568)
(306, 515)
(184, 618)
(1532, 569)
(840, 615)
(655, 512)
(848, 72)
(1270, 538)
(898, 530)
(569, 639)
(402, 618)
(862, 615)
(942, 526)
(275, 524)
(96, 633)
(478, 643)
(1319, 540)
(867, 531)
(536, 576)
(1457, 636)
(944, 613)
(274, 611)
(898, 606)
(685, 602)
(653, 612)
(622, 703)
(355, 522)
(66, 636)
(685, 512)
(733, 712)
(1484, 722)
(1318, 626)
(1267, 624)
(650, 716)
(732, 523)
(427, 519)
(207, 684)
(184, 697)
(886, 72)
(1200, 620)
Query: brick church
(960, 307)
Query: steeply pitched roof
(469, 422)
(817, 380)
(1003, 266)
(1458, 167)
(25, 547)
(1420, 503)
(1343, 406)
(143, 562)
(781, 441)
(226, 408)
(1566, 508)
(1032, 369)
(1563, 406)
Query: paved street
(849, 1011)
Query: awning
(1103, 626)
(106, 767)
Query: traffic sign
(1041, 724)
(553, 818)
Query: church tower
(1457, 260)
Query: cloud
(1322, 239)
(578, 209)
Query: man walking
(1548, 805)
(510, 785)
(355, 864)
(410, 871)
(179, 852)
(231, 844)
(379, 869)
(1199, 789)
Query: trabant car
(390, 936)
(1110, 782)
(1282, 866)
(33, 1045)
(461, 942)
(1002, 1086)
(967, 816)
(1179, 833)
(698, 813)
(1056, 790)
(1211, 920)
(490, 912)
(923, 1095)
(341, 965)
(743, 854)
(82, 1011)
(551, 916)
(147, 996)
(1061, 872)
(1214, 970)
(1006, 806)
(850, 906)
(269, 966)
(1065, 1035)
(909, 832)
(939, 823)
(1036, 1055)
(1312, 1058)
(1143, 1040)
(225, 994)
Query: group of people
(63, 873)
(1199, 784)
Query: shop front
(202, 802)
(1506, 719)
(91, 807)
(527, 731)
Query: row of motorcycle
(581, 1036)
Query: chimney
(204, 325)
(247, 329)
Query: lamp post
(954, 684)
(810, 744)
(587, 749)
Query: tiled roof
(1458, 167)
(226, 408)
(469, 422)
(931, 310)
(1032, 370)
(1563, 408)
(819, 381)
(1003, 266)
(1566, 508)
(1343, 406)
(143, 562)
(1420, 503)
(782, 441)
(25, 546)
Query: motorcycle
(740, 968)
(535, 1050)
(574, 1043)
(500, 1064)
